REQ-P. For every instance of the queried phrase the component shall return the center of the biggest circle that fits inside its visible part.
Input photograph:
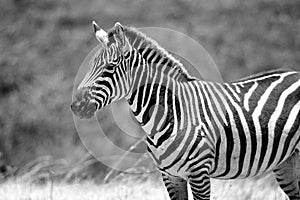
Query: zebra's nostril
(73, 107)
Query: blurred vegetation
(137, 189)
(42, 44)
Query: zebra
(197, 130)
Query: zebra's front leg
(200, 185)
(176, 187)
(286, 176)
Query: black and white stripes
(196, 129)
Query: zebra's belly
(236, 171)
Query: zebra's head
(107, 79)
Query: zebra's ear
(121, 37)
(100, 34)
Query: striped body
(198, 130)
(239, 119)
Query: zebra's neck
(157, 57)
(158, 96)
(155, 97)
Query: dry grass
(264, 188)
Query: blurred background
(43, 42)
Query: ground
(248, 189)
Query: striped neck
(155, 95)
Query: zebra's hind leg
(176, 187)
(298, 166)
(286, 176)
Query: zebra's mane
(140, 41)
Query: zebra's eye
(111, 67)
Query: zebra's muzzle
(82, 106)
(84, 110)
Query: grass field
(250, 189)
